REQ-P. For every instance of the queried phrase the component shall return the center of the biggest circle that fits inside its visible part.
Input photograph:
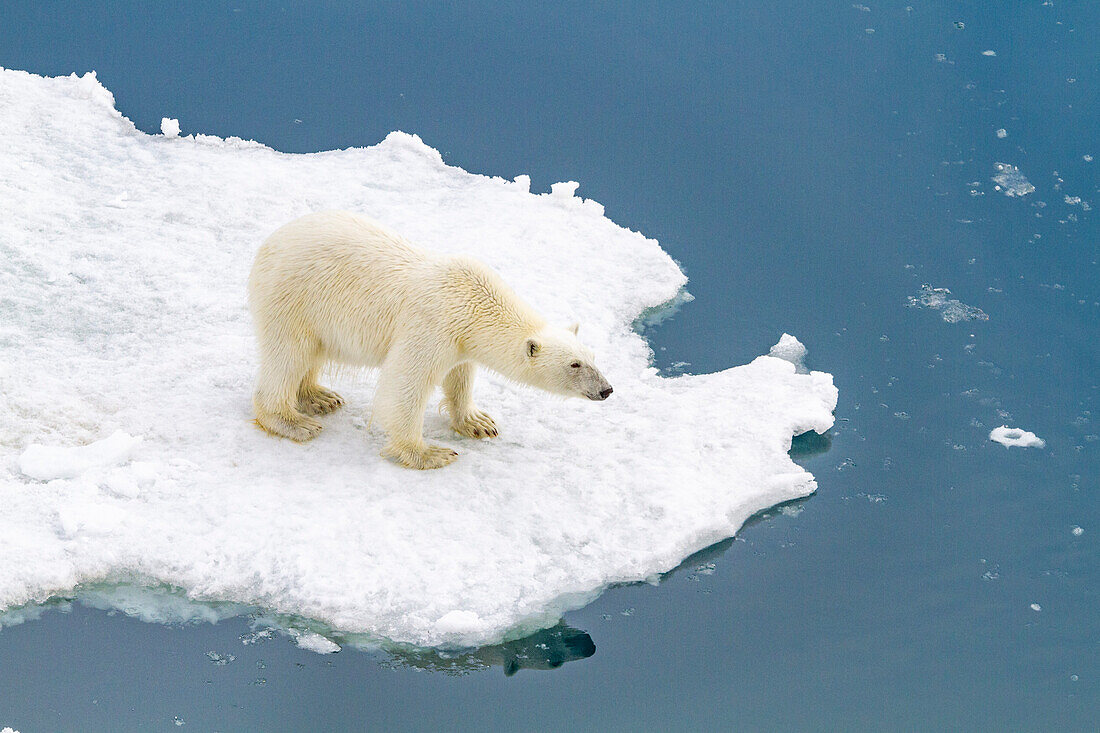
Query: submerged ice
(127, 454)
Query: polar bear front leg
(403, 391)
(458, 401)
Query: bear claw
(423, 458)
(476, 425)
(320, 401)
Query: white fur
(333, 286)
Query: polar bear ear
(533, 347)
(574, 328)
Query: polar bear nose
(605, 392)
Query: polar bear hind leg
(458, 402)
(283, 368)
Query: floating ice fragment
(1077, 531)
(219, 660)
(157, 340)
(169, 127)
(313, 642)
(951, 310)
(1009, 437)
(989, 52)
(1010, 180)
(51, 462)
(1002, 133)
(1035, 607)
(791, 349)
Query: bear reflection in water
(546, 649)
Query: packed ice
(1015, 437)
(127, 454)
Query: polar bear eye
(576, 365)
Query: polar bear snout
(597, 388)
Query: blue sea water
(812, 165)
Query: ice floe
(1015, 437)
(123, 262)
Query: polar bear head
(559, 363)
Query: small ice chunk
(1011, 181)
(46, 462)
(1036, 607)
(169, 127)
(564, 189)
(1009, 437)
(989, 52)
(952, 310)
(790, 349)
(312, 642)
(1077, 531)
(1002, 133)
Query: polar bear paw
(421, 457)
(299, 428)
(319, 401)
(476, 425)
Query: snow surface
(49, 462)
(1009, 437)
(123, 262)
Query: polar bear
(334, 286)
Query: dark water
(810, 175)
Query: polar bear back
(342, 280)
(346, 282)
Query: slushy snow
(123, 263)
(1015, 437)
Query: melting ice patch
(952, 310)
(123, 263)
(1015, 437)
(1011, 181)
